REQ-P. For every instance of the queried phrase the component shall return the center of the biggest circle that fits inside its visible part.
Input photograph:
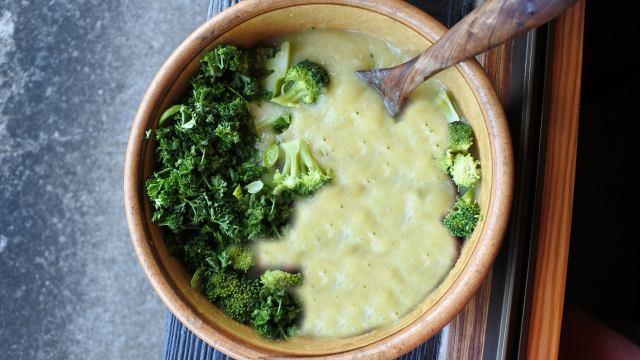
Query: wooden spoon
(493, 23)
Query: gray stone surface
(72, 74)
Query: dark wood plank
(468, 328)
(497, 63)
(557, 198)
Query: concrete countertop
(72, 74)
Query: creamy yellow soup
(371, 245)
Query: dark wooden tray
(495, 323)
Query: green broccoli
(279, 312)
(301, 173)
(459, 140)
(233, 293)
(455, 159)
(278, 280)
(211, 190)
(304, 82)
(445, 160)
(464, 170)
(279, 65)
(460, 136)
(462, 220)
(241, 256)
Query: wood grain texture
(491, 24)
(497, 63)
(468, 329)
(557, 198)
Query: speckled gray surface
(72, 74)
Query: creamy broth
(371, 245)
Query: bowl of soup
(381, 274)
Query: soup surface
(371, 246)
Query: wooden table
(533, 300)
(517, 312)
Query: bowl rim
(472, 274)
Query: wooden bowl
(246, 24)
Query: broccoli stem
(301, 173)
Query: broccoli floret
(279, 65)
(277, 280)
(304, 82)
(455, 159)
(233, 293)
(460, 136)
(279, 311)
(301, 173)
(241, 256)
(464, 217)
(464, 171)
(445, 160)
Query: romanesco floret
(304, 82)
(464, 217)
(465, 171)
(233, 293)
(301, 173)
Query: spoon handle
(492, 24)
